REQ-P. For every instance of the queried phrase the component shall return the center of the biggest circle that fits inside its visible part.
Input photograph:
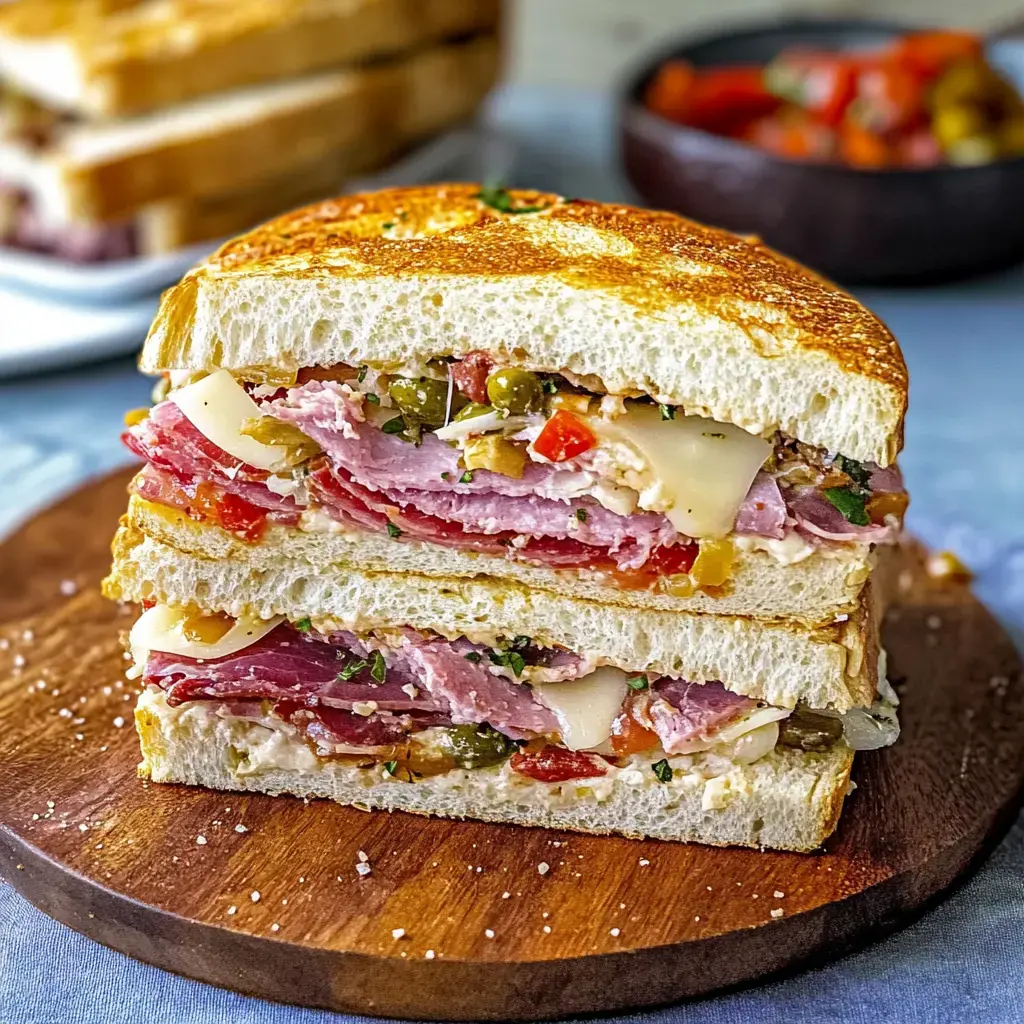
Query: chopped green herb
(548, 386)
(388, 225)
(668, 412)
(394, 531)
(361, 376)
(467, 477)
(378, 668)
(371, 397)
(501, 200)
(712, 433)
(351, 669)
(662, 770)
(304, 625)
(474, 656)
(850, 503)
(855, 470)
(520, 642)
(391, 767)
(446, 476)
(394, 426)
(581, 514)
(403, 215)
(509, 659)
(637, 682)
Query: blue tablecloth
(965, 347)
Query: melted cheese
(587, 707)
(697, 471)
(217, 406)
(161, 629)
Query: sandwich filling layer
(421, 705)
(507, 463)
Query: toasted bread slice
(788, 800)
(624, 300)
(186, 220)
(777, 661)
(815, 591)
(246, 140)
(115, 58)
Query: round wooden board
(613, 924)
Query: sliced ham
(886, 481)
(491, 513)
(354, 505)
(168, 441)
(815, 514)
(429, 681)
(331, 729)
(368, 479)
(473, 694)
(683, 713)
(763, 511)
(333, 416)
(423, 676)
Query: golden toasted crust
(623, 300)
(133, 55)
(666, 259)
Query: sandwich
(90, 177)
(106, 59)
(499, 504)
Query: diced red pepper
(861, 147)
(564, 437)
(556, 764)
(670, 560)
(793, 134)
(823, 84)
(890, 98)
(928, 54)
(725, 99)
(670, 91)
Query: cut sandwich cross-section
(542, 726)
(496, 504)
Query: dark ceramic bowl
(856, 226)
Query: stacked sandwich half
(508, 506)
(137, 126)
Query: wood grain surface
(261, 894)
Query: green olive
(807, 731)
(423, 400)
(477, 746)
(517, 391)
(473, 409)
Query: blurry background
(592, 43)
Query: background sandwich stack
(138, 127)
(509, 506)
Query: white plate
(467, 154)
(39, 334)
(58, 314)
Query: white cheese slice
(459, 430)
(697, 470)
(161, 629)
(755, 720)
(217, 406)
(587, 707)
